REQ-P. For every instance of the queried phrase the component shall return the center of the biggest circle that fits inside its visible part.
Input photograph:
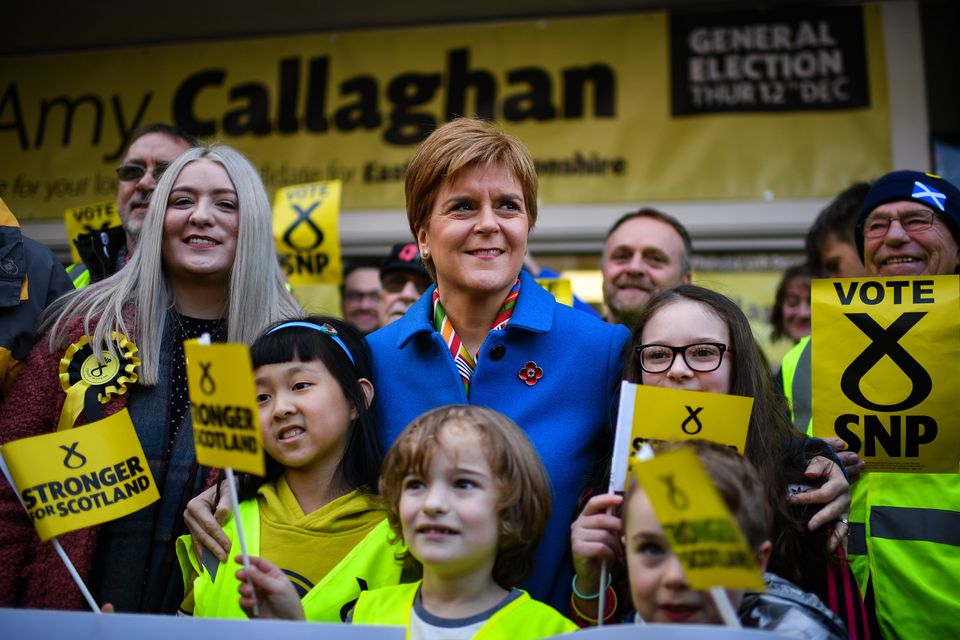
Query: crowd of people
(439, 458)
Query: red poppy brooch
(530, 373)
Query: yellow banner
(885, 353)
(80, 477)
(674, 414)
(696, 523)
(590, 96)
(223, 401)
(307, 232)
(561, 288)
(98, 216)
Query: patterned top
(465, 361)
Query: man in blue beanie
(904, 544)
(909, 225)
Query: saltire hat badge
(90, 383)
(929, 194)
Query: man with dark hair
(831, 248)
(360, 295)
(152, 148)
(830, 243)
(644, 252)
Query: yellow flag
(306, 230)
(561, 288)
(226, 422)
(88, 218)
(660, 413)
(696, 522)
(884, 361)
(80, 477)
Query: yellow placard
(306, 229)
(98, 216)
(885, 353)
(80, 477)
(223, 401)
(561, 288)
(696, 522)
(674, 414)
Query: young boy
(659, 588)
(467, 494)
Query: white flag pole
(76, 576)
(618, 472)
(235, 501)
(56, 544)
(243, 543)
(725, 607)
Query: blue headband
(325, 329)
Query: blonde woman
(205, 263)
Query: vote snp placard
(696, 522)
(885, 354)
(658, 413)
(80, 477)
(561, 288)
(226, 423)
(306, 230)
(98, 216)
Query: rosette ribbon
(89, 383)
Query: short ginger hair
(459, 145)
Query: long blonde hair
(256, 292)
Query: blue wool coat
(567, 414)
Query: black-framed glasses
(877, 226)
(701, 356)
(395, 281)
(133, 172)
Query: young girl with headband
(314, 514)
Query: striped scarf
(465, 361)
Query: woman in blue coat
(488, 334)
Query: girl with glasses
(696, 339)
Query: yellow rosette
(89, 383)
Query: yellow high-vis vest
(521, 619)
(795, 372)
(80, 275)
(904, 531)
(905, 541)
(370, 564)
